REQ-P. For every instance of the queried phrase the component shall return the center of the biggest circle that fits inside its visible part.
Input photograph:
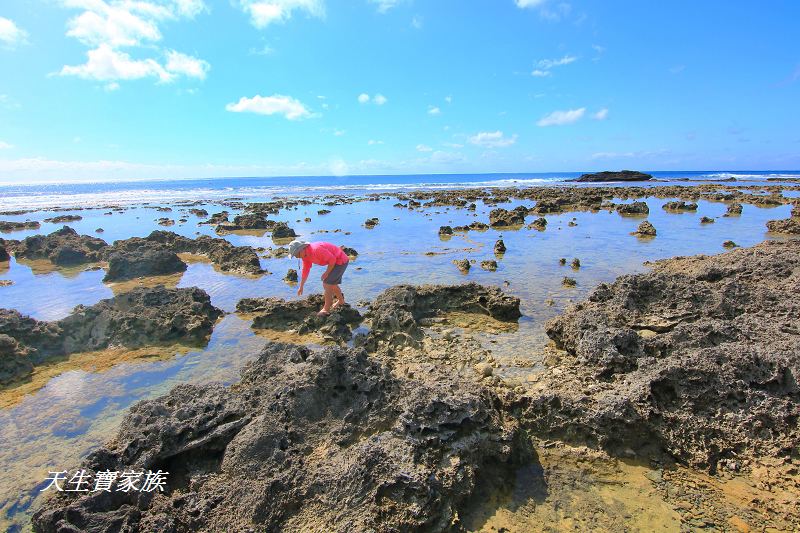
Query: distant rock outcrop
(622, 175)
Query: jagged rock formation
(63, 247)
(142, 317)
(327, 440)
(301, 316)
(700, 358)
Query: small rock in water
(349, 252)
(538, 224)
(445, 230)
(730, 244)
(706, 220)
(371, 223)
(568, 282)
(499, 247)
(645, 229)
(490, 265)
(291, 276)
(6, 282)
(562, 261)
(99, 230)
(462, 264)
(734, 209)
(576, 263)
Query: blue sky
(124, 89)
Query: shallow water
(71, 407)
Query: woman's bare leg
(328, 298)
(339, 296)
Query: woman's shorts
(335, 275)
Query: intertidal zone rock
(142, 317)
(328, 440)
(700, 358)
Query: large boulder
(622, 175)
(224, 255)
(503, 217)
(301, 316)
(6, 226)
(633, 209)
(396, 315)
(142, 317)
(680, 205)
(698, 357)
(328, 440)
(152, 262)
(63, 247)
(251, 221)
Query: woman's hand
(300, 290)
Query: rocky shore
(699, 358)
(142, 317)
(695, 362)
(404, 420)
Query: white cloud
(453, 145)
(190, 8)
(529, 3)
(117, 24)
(339, 133)
(385, 5)
(416, 23)
(424, 148)
(433, 110)
(601, 115)
(544, 66)
(5, 146)
(448, 99)
(265, 12)
(373, 142)
(492, 139)
(192, 67)
(550, 63)
(560, 118)
(106, 26)
(10, 34)
(378, 99)
(106, 64)
(276, 104)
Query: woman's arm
(304, 276)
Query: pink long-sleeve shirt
(322, 253)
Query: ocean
(86, 194)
